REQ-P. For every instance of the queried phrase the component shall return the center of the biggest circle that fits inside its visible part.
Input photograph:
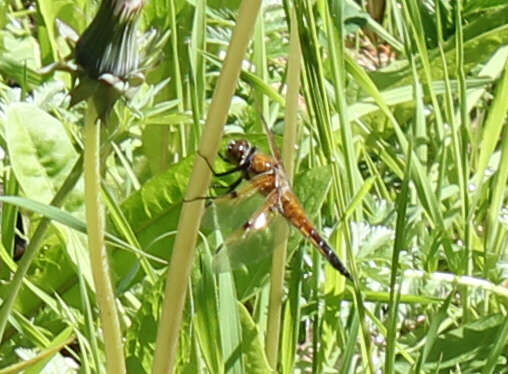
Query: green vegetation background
(403, 164)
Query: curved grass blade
(69, 220)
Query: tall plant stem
(34, 244)
(279, 256)
(188, 225)
(115, 362)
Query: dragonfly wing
(253, 241)
(271, 141)
(228, 212)
(235, 208)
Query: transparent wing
(247, 226)
(232, 210)
(271, 142)
(248, 247)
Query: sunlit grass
(401, 163)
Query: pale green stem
(279, 256)
(34, 245)
(105, 297)
(190, 217)
(459, 280)
(276, 295)
(177, 82)
(463, 160)
(260, 62)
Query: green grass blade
(499, 346)
(400, 239)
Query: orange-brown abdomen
(292, 210)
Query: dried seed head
(109, 45)
(108, 54)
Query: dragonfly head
(238, 151)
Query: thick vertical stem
(188, 225)
(279, 256)
(115, 362)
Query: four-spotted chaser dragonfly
(265, 175)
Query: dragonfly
(265, 175)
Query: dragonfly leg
(246, 190)
(221, 174)
(224, 158)
(229, 187)
(200, 198)
(241, 192)
(229, 193)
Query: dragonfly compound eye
(238, 150)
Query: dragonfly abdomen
(329, 254)
(295, 214)
(326, 251)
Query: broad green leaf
(156, 13)
(4, 5)
(152, 213)
(467, 345)
(19, 60)
(253, 348)
(152, 142)
(41, 153)
(42, 156)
